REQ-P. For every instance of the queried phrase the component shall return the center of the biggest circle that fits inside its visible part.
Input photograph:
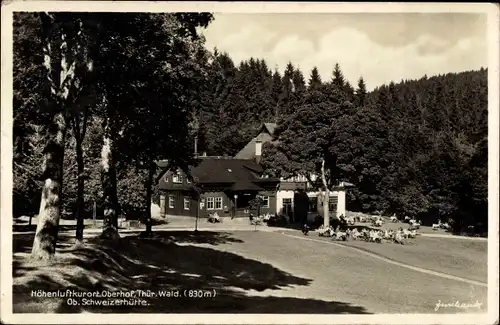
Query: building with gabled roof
(253, 149)
(225, 185)
(290, 193)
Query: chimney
(196, 146)
(258, 150)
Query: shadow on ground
(23, 243)
(26, 228)
(32, 228)
(159, 222)
(20, 225)
(197, 237)
(162, 263)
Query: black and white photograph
(209, 162)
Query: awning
(245, 186)
(267, 180)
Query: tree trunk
(326, 209)
(326, 200)
(79, 133)
(149, 194)
(60, 75)
(108, 179)
(44, 244)
(80, 202)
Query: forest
(99, 97)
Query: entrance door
(332, 206)
(163, 208)
(287, 208)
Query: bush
(277, 221)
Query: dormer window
(177, 178)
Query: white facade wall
(288, 194)
(280, 195)
(341, 204)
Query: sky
(380, 47)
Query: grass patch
(169, 261)
(464, 258)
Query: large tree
(94, 64)
(142, 73)
(287, 91)
(170, 116)
(65, 63)
(308, 142)
(360, 93)
(29, 114)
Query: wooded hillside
(418, 147)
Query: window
(265, 200)
(214, 203)
(171, 202)
(218, 203)
(313, 205)
(162, 204)
(287, 206)
(166, 178)
(177, 178)
(186, 204)
(332, 203)
(210, 203)
(188, 180)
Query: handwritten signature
(458, 304)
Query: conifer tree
(338, 79)
(277, 94)
(315, 79)
(360, 95)
(287, 90)
(299, 86)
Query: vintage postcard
(245, 162)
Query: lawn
(459, 257)
(251, 272)
(396, 225)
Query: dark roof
(162, 163)
(270, 127)
(248, 151)
(347, 184)
(226, 170)
(245, 186)
(236, 173)
(265, 135)
(340, 186)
